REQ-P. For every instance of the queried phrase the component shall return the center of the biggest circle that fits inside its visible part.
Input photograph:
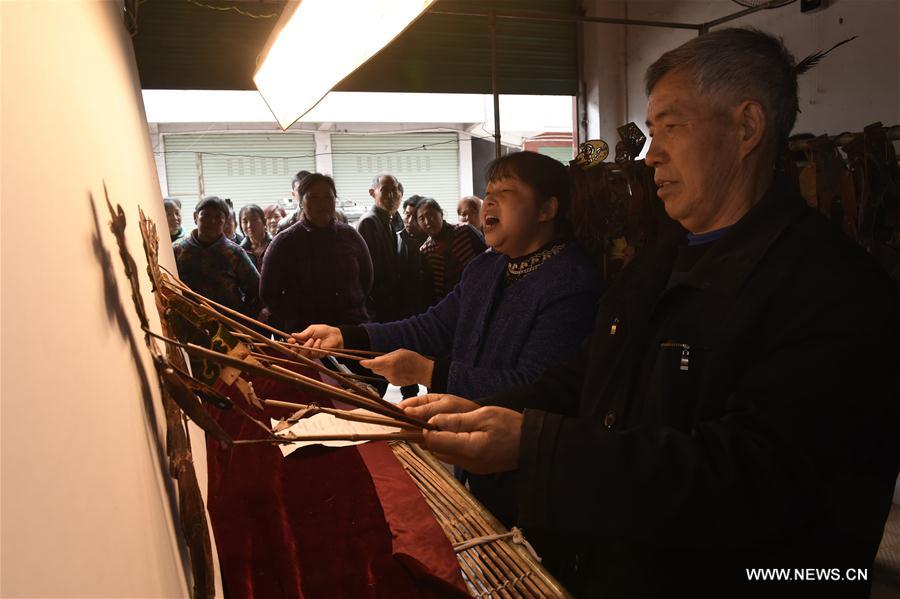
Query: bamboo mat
(499, 568)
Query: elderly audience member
(380, 235)
(469, 211)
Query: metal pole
(704, 27)
(494, 90)
(533, 15)
(556, 17)
(201, 184)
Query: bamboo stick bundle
(263, 364)
(225, 314)
(492, 564)
(296, 380)
(350, 354)
(500, 576)
(344, 352)
(407, 436)
(303, 410)
(289, 362)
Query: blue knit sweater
(496, 335)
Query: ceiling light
(317, 43)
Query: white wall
(854, 86)
(86, 507)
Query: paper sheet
(326, 424)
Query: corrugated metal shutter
(425, 163)
(564, 154)
(249, 168)
(181, 170)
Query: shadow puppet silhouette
(115, 313)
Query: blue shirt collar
(709, 237)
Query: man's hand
(426, 406)
(319, 336)
(482, 441)
(402, 367)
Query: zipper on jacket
(613, 329)
(685, 362)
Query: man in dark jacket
(413, 290)
(736, 408)
(413, 297)
(378, 231)
(294, 217)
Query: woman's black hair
(213, 202)
(308, 181)
(413, 201)
(548, 177)
(425, 203)
(255, 210)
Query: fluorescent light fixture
(317, 43)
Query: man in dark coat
(413, 296)
(377, 228)
(294, 217)
(736, 408)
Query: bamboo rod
(289, 362)
(463, 533)
(473, 575)
(358, 352)
(342, 414)
(274, 345)
(497, 553)
(503, 551)
(293, 379)
(554, 588)
(408, 436)
(456, 532)
(250, 333)
(508, 553)
(203, 299)
(352, 354)
(216, 308)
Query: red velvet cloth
(322, 522)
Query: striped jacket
(445, 257)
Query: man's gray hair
(732, 65)
(377, 179)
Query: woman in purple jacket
(317, 270)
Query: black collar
(730, 261)
(382, 214)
